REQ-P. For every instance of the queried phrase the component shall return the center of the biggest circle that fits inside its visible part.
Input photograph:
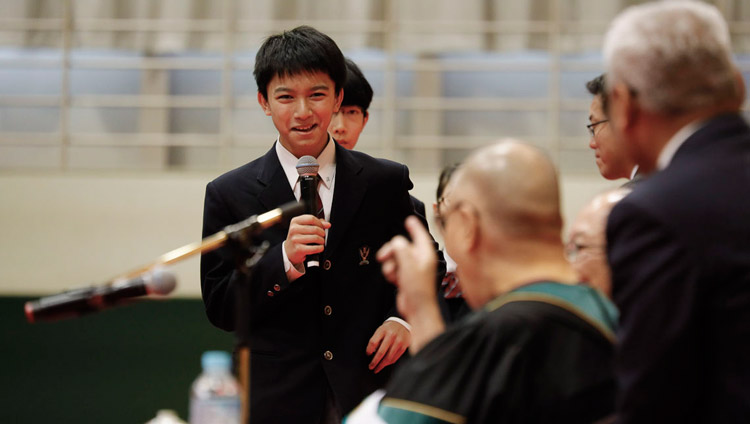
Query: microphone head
(160, 282)
(307, 165)
(29, 309)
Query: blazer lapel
(276, 190)
(348, 192)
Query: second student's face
(347, 124)
(301, 107)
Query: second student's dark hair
(301, 50)
(357, 91)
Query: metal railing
(425, 109)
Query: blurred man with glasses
(611, 160)
(586, 249)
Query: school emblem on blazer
(364, 252)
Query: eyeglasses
(591, 126)
(441, 217)
(573, 250)
(349, 111)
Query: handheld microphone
(307, 168)
(91, 299)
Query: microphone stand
(241, 231)
(247, 253)
(243, 240)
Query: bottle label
(215, 411)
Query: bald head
(587, 243)
(592, 219)
(516, 185)
(502, 222)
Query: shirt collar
(674, 143)
(634, 172)
(326, 160)
(450, 264)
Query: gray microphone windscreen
(160, 282)
(307, 165)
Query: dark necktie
(450, 286)
(321, 212)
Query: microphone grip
(65, 305)
(86, 300)
(116, 294)
(309, 194)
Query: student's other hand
(306, 236)
(389, 342)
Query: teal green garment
(395, 411)
(471, 372)
(584, 301)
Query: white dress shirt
(633, 172)
(327, 171)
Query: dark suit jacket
(292, 327)
(419, 208)
(679, 247)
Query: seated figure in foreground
(538, 347)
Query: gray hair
(675, 55)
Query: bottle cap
(216, 360)
(166, 416)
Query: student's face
(301, 107)
(347, 124)
(610, 158)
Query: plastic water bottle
(166, 416)
(215, 394)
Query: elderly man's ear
(622, 108)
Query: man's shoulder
(419, 207)
(546, 304)
(702, 163)
(371, 163)
(380, 174)
(695, 177)
(496, 343)
(519, 314)
(246, 173)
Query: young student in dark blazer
(321, 338)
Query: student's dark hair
(445, 177)
(357, 91)
(596, 87)
(301, 50)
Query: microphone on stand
(307, 168)
(151, 279)
(243, 230)
(95, 298)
